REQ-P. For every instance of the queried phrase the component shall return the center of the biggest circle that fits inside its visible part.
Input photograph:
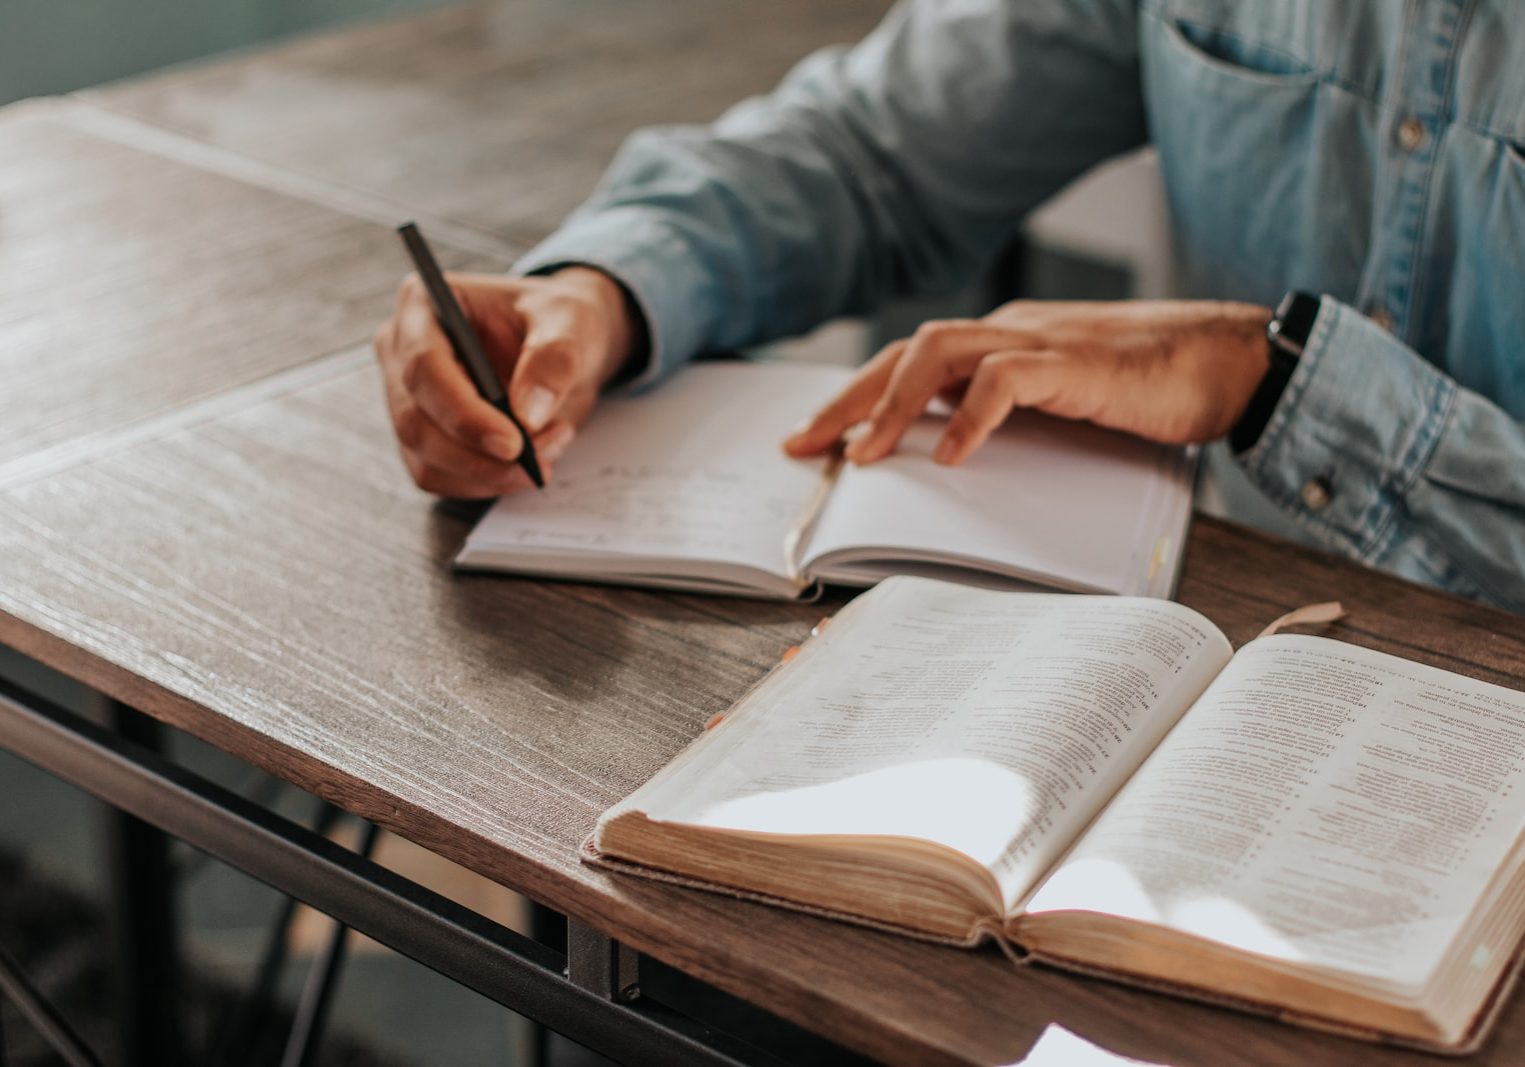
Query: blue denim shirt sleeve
(904, 164)
(897, 167)
(1383, 455)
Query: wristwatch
(1286, 336)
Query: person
(1365, 153)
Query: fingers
(426, 410)
(1001, 382)
(459, 481)
(421, 361)
(850, 407)
(1150, 368)
(549, 367)
(552, 340)
(938, 355)
(441, 465)
(579, 333)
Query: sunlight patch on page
(966, 804)
(1230, 922)
(1100, 885)
(1110, 887)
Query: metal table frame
(591, 994)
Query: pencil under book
(1305, 828)
(687, 487)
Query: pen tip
(531, 467)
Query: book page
(690, 471)
(994, 723)
(1321, 804)
(1060, 503)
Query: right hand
(554, 341)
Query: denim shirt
(1369, 150)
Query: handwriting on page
(689, 472)
(649, 507)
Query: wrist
(625, 340)
(1286, 334)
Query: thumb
(544, 374)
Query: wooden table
(500, 115)
(135, 286)
(252, 565)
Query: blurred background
(56, 47)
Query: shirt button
(1410, 134)
(1316, 494)
(1382, 317)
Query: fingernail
(500, 447)
(946, 448)
(539, 402)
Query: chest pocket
(1476, 225)
(1478, 237)
(1235, 54)
(1264, 145)
(1275, 124)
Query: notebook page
(692, 470)
(1050, 500)
(995, 723)
(1322, 804)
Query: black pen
(465, 343)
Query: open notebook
(687, 487)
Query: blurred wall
(55, 46)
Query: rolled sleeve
(898, 167)
(1382, 455)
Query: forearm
(1382, 455)
(900, 166)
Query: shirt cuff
(1359, 420)
(651, 261)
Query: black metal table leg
(15, 988)
(602, 965)
(549, 928)
(236, 1042)
(142, 903)
(318, 993)
(491, 959)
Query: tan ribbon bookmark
(1308, 614)
(799, 533)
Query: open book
(687, 487)
(1308, 827)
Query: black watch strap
(1286, 336)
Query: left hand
(1170, 370)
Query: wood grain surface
(131, 285)
(269, 580)
(500, 115)
(258, 570)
